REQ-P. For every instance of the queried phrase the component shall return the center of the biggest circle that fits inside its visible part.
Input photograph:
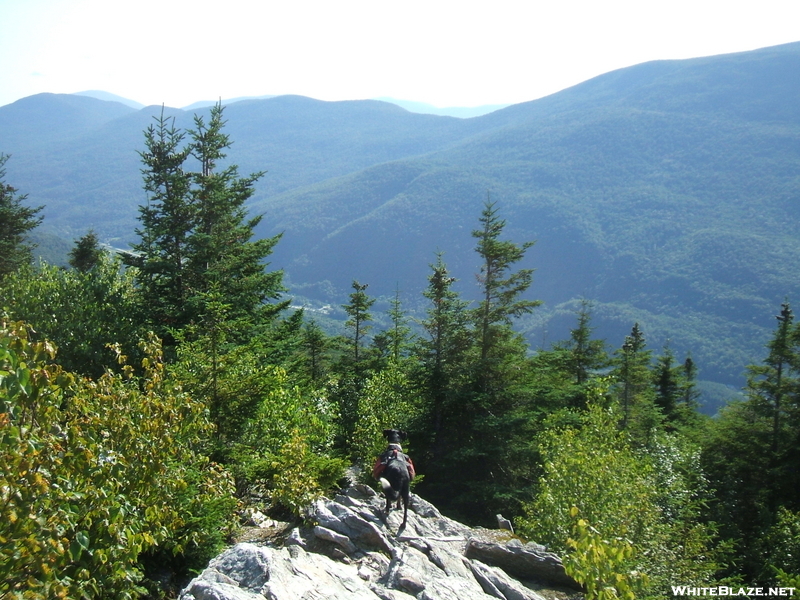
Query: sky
(442, 52)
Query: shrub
(90, 472)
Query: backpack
(390, 454)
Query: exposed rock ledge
(353, 554)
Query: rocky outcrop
(355, 553)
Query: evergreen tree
(667, 382)
(501, 292)
(16, 221)
(393, 342)
(353, 367)
(167, 221)
(690, 393)
(770, 384)
(755, 443)
(479, 479)
(221, 253)
(314, 345)
(358, 311)
(442, 355)
(773, 390)
(584, 356)
(675, 390)
(86, 253)
(632, 371)
(196, 237)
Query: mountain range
(667, 193)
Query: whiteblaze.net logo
(722, 590)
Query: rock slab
(356, 553)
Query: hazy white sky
(447, 53)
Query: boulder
(525, 561)
(355, 552)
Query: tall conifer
(195, 239)
(16, 221)
(501, 301)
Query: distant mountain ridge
(101, 95)
(668, 193)
(462, 112)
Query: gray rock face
(516, 559)
(355, 553)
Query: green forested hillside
(667, 193)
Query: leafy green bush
(382, 404)
(301, 476)
(80, 312)
(781, 547)
(90, 472)
(593, 468)
(639, 511)
(601, 565)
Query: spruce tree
(501, 291)
(442, 354)
(196, 235)
(16, 221)
(392, 343)
(359, 317)
(479, 479)
(632, 371)
(771, 384)
(314, 344)
(167, 220)
(86, 254)
(353, 367)
(668, 385)
(690, 395)
(222, 255)
(773, 390)
(582, 355)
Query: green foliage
(81, 312)
(495, 426)
(602, 566)
(86, 253)
(781, 547)
(643, 507)
(16, 220)
(92, 472)
(384, 403)
(755, 444)
(274, 435)
(196, 236)
(301, 475)
(593, 468)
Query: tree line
(145, 397)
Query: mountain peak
(108, 97)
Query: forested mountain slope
(78, 155)
(667, 193)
